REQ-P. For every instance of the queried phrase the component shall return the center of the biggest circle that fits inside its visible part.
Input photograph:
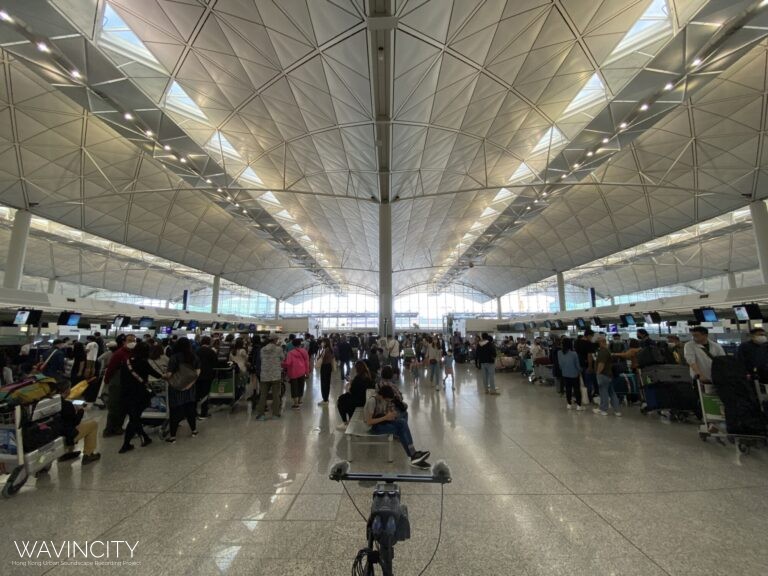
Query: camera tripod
(388, 522)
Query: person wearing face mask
(699, 353)
(754, 354)
(115, 409)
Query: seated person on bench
(386, 413)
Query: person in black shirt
(208, 361)
(585, 348)
(134, 376)
(344, 356)
(356, 396)
(754, 354)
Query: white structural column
(759, 212)
(732, 281)
(17, 250)
(561, 291)
(277, 308)
(51, 285)
(215, 294)
(386, 317)
(498, 308)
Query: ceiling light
(544, 194)
(763, 3)
(5, 17)
(229, 198)
(218, 189)
(166, 148)
(623, 125)
(128, 116)
(237, 205)
(208, 181)
(527, 207)
(76, 74)
(183, 160)
(606, 140)
(590, 154)
(149, 133)
(43, 47)
(563, 176)
(696, 62)
(576, 165)
(644, 107)
(536, 201)
(668, 86)
(245, 211)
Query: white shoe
(322, 403)
(341, 427)
(617, 414)
(598, 411)
(569, 406)
(579, 408)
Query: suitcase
(626, 384)
(739, 396)
(669, 387)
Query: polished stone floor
(537, 490)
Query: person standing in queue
(208, 361)
(327, 360)
(271, 377)
(115, 409)
(182, 402)
(297, 367)
(134, 380)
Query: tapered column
(215, 294)
(386, 317)
(561, 291)
(277, 308)
(732, 281)
(759, 212)
(17, 250)
(51, 285)
(498, 308)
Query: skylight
(250, 176)
(592, 93)
(220, 145)
(551, 139)
(179, 101)
(502, 194)
(118, 36)
(522, 172)
(488, 212)
(651, 27)
(271, 198)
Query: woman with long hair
(327, 359)
(182, 402)
(355, 396)
(570, 368)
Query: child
(448, 364)
(415, 366)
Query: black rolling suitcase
(743, 415)
(670, 387)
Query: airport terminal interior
(413, 287)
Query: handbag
(319, 363)
(183, 378)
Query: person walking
(272, 357)
(327, 359)
(297, 366)
(570, 368)
(432, 360)
(345, 357)
(134, 378)
(486, 357)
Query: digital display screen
(708, 315)
(165, 330)
(22, 316)
(73, 320)
(251, 328)
(192, 325)
(225, 326)
(628, 319)
(596, 321)
(241, 326)
(613, 328)
(531, 325)
(146, 322)
(120, 321)
(581, 324)
(741, 313)
(176, 325)
(747, 312)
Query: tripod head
(388, 522)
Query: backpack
(650, 356)
(183, 378)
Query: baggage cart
(542, 374)
(157, 414)
(226, 389)
(713, 422)
(669, 390)
(13, 458)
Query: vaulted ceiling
(251, 147)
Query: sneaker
(262, 417)
(420, 456)
(126, 448)
(171, 439)
(617, 414)
(579, 408)
(420, 465)
(194, 433)
(88, 458)
(323, 403)
(341, 427)
(202, 417)
(598, 411)
(569, 406)
(495, 393)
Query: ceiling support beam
(381, 34)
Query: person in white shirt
(393, 351)
(537, 350)
(91, 355)
(699, 353)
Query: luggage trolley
(225, 388)
(713, 417)
(13, 457)
(157, 415)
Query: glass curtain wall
(353, 308)
(427, 308)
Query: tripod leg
(386, 556)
